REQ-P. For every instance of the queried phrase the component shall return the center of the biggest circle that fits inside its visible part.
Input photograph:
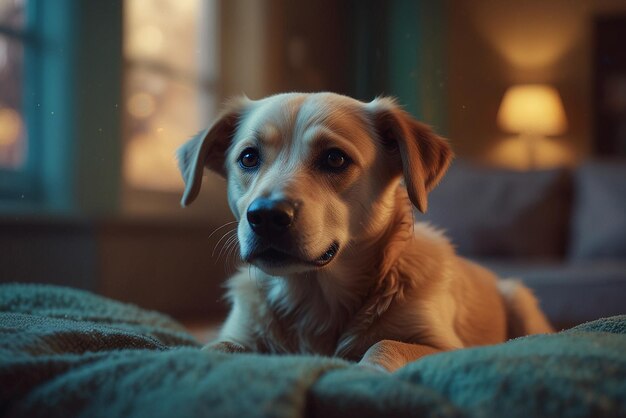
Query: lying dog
(338, 265)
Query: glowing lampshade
(534, 109)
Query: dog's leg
(226, 347)
(523, 313)
(391, 355)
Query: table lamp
(533, 111)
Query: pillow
(599, 219)
(489, 212)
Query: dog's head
(310, 174)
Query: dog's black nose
(270, 217)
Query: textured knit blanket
(69, 353)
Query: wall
(272, 46)
(177, 267)
(62, 252)
(493, 44)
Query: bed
(70, 353)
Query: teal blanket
(68, 353)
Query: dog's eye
(335, 160)
(249, 158)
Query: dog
(322, 187)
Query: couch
(561, 231)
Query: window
(169, 85)
(66, 86)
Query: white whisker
(226, 244)
(233, 254)
(220, 227)
(220, 240)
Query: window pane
(163, 31)
(12, 14)
(169, 78)
(162, 113)
(12, 128)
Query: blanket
(69, 353)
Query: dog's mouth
(273, 257)
(328, 255)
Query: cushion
(489, 212)
(599, 218)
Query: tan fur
(395, 291)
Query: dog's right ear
(425, 156)
(208, 149)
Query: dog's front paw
(371, 366)
(225, 347)
(380, 357)
(391, 355)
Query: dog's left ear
(208, 149)
(425, 156)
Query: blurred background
(95, 96)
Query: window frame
(23, 184)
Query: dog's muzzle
(271, 220)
